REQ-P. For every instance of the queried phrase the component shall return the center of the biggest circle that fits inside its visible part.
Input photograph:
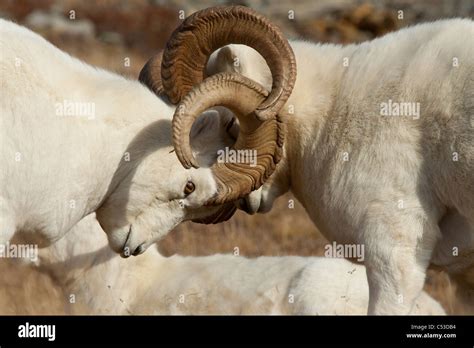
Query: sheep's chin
(127, 242)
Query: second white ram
(380, 137)
(103, 283)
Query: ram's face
(158, 193)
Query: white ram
(103, 283)
(75, 139)
(379, 146)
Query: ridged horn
(150, 75)
(191, 44)
(264, 139)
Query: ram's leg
(7, 221)
(397, 258)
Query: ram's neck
(126, 114)
(320, 71)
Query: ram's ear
(206, 124)
(213, 130)
(219, 123)
(243, 60)
(224, 60)
(228, 56)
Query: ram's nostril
(139, 249)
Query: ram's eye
(189, 188)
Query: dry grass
(24, 290)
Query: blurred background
(120, 35)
